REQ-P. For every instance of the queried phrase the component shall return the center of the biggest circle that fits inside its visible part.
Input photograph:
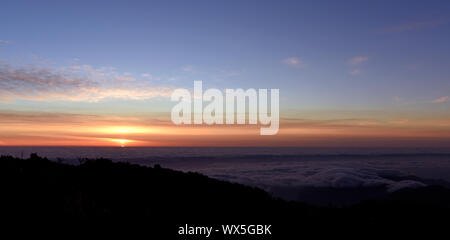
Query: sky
(100, 73)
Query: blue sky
(243, 44)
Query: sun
(122, 142)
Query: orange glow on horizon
(87, 130)
(127, 130)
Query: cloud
(23, 118)
(73, 83)
(404, 184)
(4, 42)
(368, 123)
(355, 72)
(146, 75)
(414, 25)
(188, 68)
(327, 173)
(400, 121)
(358, 60)
(294, 61)
(127, 78)
(442, 99)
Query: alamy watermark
(235, 107)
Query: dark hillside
(101, 192)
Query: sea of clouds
(285, 173)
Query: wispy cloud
(355, 72)
(4, 42)
(358, 60)
(294, 61)
(401, 121)
(355, 61)
(188, 68)
(413, 25)
(442, 99)
(73, 83)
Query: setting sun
(122, 142)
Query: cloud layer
(73, 83)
